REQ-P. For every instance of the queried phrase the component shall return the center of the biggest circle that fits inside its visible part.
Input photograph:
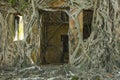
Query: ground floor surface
(54, 72)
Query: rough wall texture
(27, 51)
(15, 53)
(100, 51)
(100, 48)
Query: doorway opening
(54, 37)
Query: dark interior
(55, 48)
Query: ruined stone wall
(28, 51)
(18, 53)
(101, 47)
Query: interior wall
(54, 47)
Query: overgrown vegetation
(97, 58)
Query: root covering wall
(100, 51)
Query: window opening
(18, 27)
(87, 20)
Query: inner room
(54, 37)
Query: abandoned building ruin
(50, 35)
(81, 33)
